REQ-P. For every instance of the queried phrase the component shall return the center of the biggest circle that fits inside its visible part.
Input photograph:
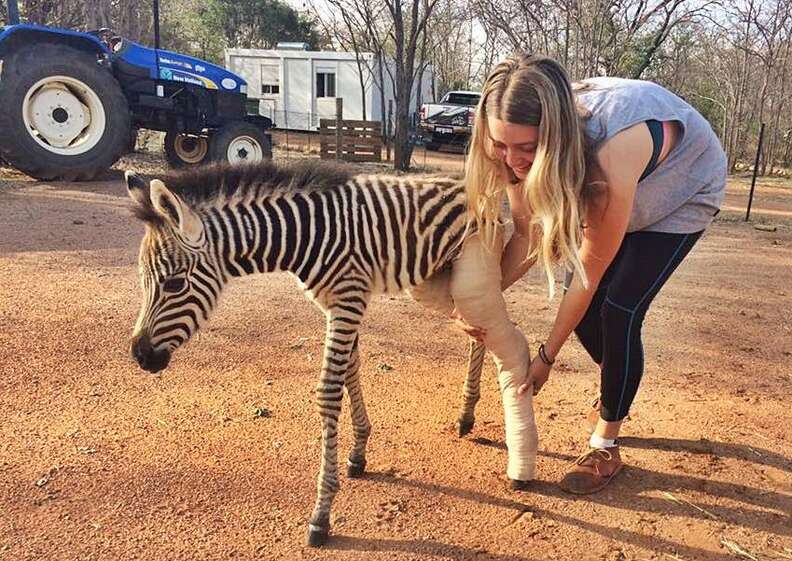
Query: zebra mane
(223, 180)
(207, 184)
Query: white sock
(596, 441)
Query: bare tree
(449, 44)
(772, 23)
(613, 37)
(409, 24)
(350, 33)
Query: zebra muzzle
(147, 356)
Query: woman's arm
(622, 160)
(514, 263)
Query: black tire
(432, 146)
(223, 139)
(183, 150)
(132, 144)
(21, 71)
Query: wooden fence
(361, 141)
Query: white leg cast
(475, 288)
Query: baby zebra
(343, 237)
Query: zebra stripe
(472, 387)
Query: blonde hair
(533, 90)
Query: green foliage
(201, 28)
(261, 23)
(634, 55)
(205, 28)
(191, 27)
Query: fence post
(388, 130)
(339, 125)
(755, 171)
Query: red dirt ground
(99, 461)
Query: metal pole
(155, 6)
(755, 171)
(13, 12)
(339, 125)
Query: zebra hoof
(520, 485)
(356, 469)
(465, 427)
(317, 535)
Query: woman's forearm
(514, 263)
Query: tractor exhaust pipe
(155, 7)
(13, 12)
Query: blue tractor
(71, 103)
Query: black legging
(611, 329)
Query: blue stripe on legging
(632, 317)
(615, 305)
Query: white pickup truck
(450, 121)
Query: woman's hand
(538, 373)
(475, 332)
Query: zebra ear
(175, 211)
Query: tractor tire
(240, 142)
(183, 150)
(64, 116)
(132, 143)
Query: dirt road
(99, 461)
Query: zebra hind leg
(356, 464)
(472, 387)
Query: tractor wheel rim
(191, 149)
(244, 149)
(64, 115)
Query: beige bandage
(474, 286)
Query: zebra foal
(343, 237)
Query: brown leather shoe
(592, 471)
(593, 416)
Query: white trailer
(297, 87)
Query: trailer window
(270, 79)
(462, 99)
(325, 84)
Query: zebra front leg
(342, 325)
(361, 427)
(476, 289)
(472, 387)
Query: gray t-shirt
(685, 190)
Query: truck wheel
(239, 141)
(185, 150)
(64, 116)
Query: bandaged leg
(474, 286)
(476, 291)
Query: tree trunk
(777, 107)
(97, 14)
(403, 148)
(384, 116)
(735, 145)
